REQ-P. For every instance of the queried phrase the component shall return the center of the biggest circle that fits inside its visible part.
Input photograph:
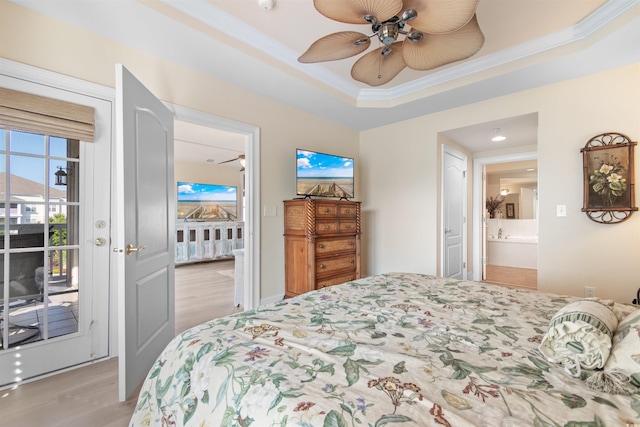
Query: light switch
(269, 210)
(561, 210)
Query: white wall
(400, 190)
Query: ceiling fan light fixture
(388, 32)
(415, 36)
(409, 14)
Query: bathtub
(513, 251)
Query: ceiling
(528, 43)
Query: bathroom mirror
(517, 184)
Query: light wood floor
(526, 278)
(88, 396)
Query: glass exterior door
(39, 258)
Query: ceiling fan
(442, 31)
(240, 157)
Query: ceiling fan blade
(435, 50)
(228, 161)
(354, 11)
(240, 157)
(376, 69)
(441, 16)
(336, 46)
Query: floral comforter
(392, 349)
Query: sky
(27, 155)
(311, 164)
(189, 191)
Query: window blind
(39, 114)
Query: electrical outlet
(269, 210)
(589, 292)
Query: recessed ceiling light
(497, 137)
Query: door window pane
(29, 143)
(65, 148)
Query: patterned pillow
(621, 374)
(579, 336)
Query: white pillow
(579, 336)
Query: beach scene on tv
(207, 202)
(324, 175)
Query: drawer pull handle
(326, 210)
(350, 243)
(321, 246)
(348, 226)
(351, 262)
(348, 210)
(322, 266)
(326, 227)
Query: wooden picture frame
(511, 210)
(608, 178)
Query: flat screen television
(207, 202)
(323, 175)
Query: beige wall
(46, 43)
(401, 201)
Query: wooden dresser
(321, 244)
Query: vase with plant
(493, 204)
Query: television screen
(207, 201)
(324, 175)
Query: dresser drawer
(326, 247)
(326, 227)
(347, 226)
(323, 283)
(326, 210)
(348, 211)
(328, 265)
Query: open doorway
(218, 151)
(511, 247)
(209, 166)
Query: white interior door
(453, 218)
(146, 219)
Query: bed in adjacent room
(391, 349)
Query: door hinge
(484, 261)
(464, 265)
(464, 174)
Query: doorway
(511, 249)
(497, 230)
(55, 227)
(207, 132)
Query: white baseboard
(273, 299)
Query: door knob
(100, 241)
(130, 248)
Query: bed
(390, 349)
